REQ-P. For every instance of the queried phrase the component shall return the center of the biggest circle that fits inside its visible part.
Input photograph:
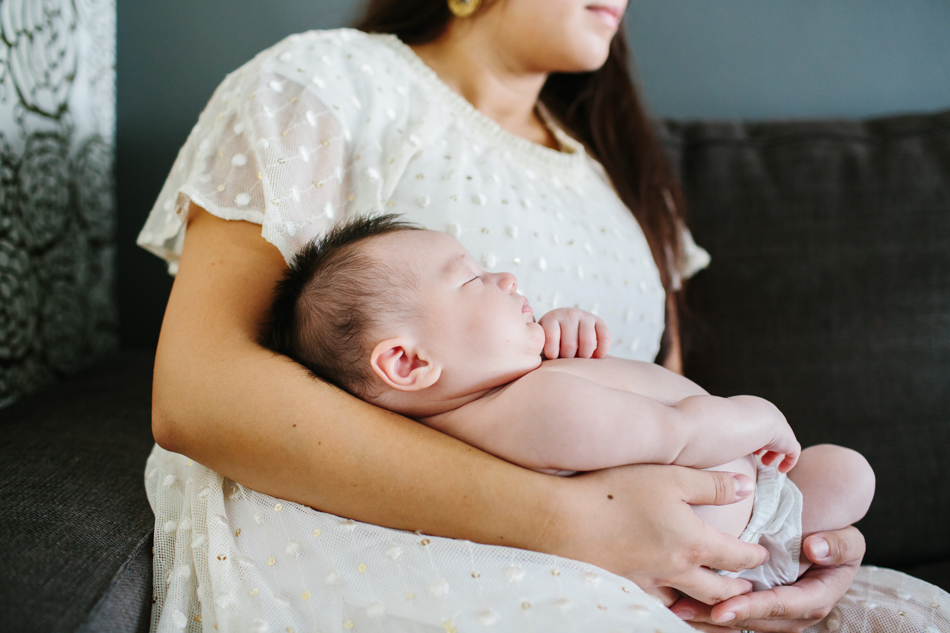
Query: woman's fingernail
(744, 486)
(728, 616)
(819, 547)
(685, 614)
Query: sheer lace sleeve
(693, 258)
(283, 143)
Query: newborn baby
(405, 318)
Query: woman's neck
(474, 66)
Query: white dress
(323, 126)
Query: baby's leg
(733, 518)
(837, 486)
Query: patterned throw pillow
(57, 193)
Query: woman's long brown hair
(600, 108)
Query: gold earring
(463, 8)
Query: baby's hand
(784, 450)
(570, 333)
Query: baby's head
(394, 314)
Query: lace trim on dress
(534, 156)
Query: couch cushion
(76, 524)
(829, 294)
(127, 604)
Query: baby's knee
(846, 469)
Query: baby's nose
(508, 282)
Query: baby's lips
(526, 306)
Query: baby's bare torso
(486, 422)
(496, 422)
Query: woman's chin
(588, 58)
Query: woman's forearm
(262, 420)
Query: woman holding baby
(514, 126)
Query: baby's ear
(401, 365)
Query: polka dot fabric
(330, 124)
(230, 559)
(326, 125)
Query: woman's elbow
(170, 403)
(164, 429)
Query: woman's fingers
(700, 615)
(667, 595)
(655, 538)
(775, 610)
(729, 553)
(697, 614)
(708, 628)
(707, 586)
(791, 608)
(688, 608)
(704, 487)
(714, 488)
(841, 547)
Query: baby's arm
(555, 419)
(641, 377)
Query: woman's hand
(573, 333)
(836, 557)
(636, 521)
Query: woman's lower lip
(606, 16)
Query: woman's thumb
(717, 488)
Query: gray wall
(697, 58)
(764, 59)
(171, 56)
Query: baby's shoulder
(550, 385)
(544, 391)
(593, 369)
(477, 415)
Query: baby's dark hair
(332, 294)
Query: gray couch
(829, 293)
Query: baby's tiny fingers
(587, 339)
(568, 339)
(788, 463)
(603, 339)
(552, 337)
